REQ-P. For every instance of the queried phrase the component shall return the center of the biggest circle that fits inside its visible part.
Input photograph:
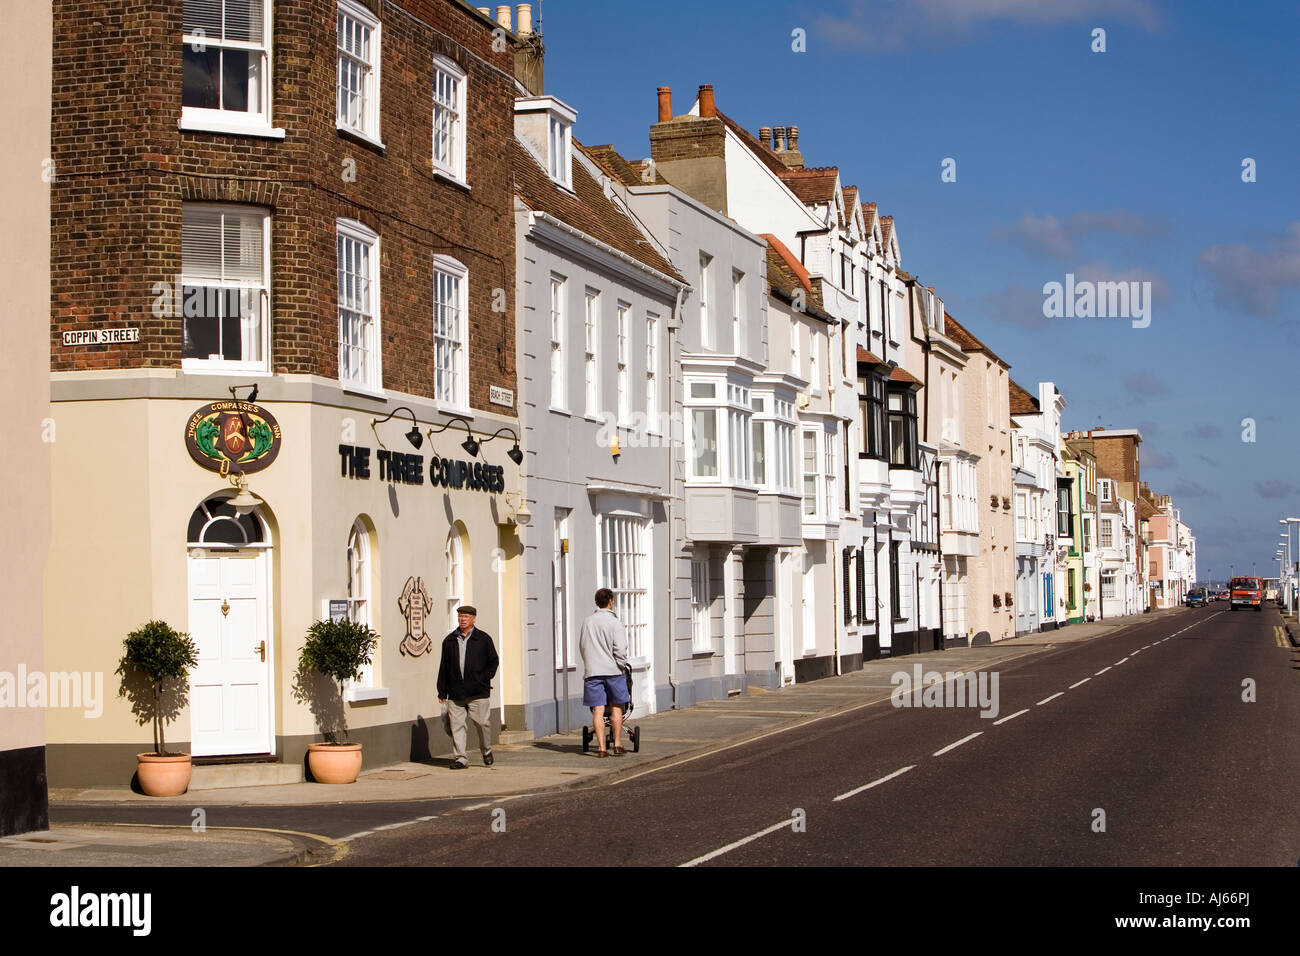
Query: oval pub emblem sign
(233, 437)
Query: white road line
(1120, 661)
(874, 783)
(958, 743)
(1079, 683)
(1103, 670)
(1048, 700)
(1136, 652)
(395, 826)
(1003, 720)
(356, 836)
(739, 843)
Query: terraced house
(297, 218)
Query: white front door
(230, 688)
(785, 601)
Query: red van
(1246, 592)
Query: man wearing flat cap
(469, 662)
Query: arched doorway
(229, 573)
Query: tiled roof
(959, 334)
(816, 185)
(589, 211)
(900, 374)
(608, 159)
(785, 274)
(868, 358)
(886, 228)
(1022, 400)
(850, 199)
(868, 216)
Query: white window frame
(591, 346)
(739, 411)
(829, 455)
(815, 492)
(708, 408)
(262, 290)
(360, 589)
(357, 16)
(559, 395)
(624, 356)
(1105, 532)
(559, 150)
(652, 372)
(455, 398)
(706, 270)
(737, 309)
(445, 73)
(701, 609)
(626, 569)
(252, 122)
(351, 231)
(814, 363)
(454, 581)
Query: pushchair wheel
(586, 738)
(636, 739)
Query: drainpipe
(673, 445)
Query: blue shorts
(598, 691)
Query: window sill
(193, 125)
(361, 695)
(450, 178)
(364, 138)
(203, 367)
(455, 411)
(697, 652)
(350, 388)
(561, 411)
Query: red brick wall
(123, 170)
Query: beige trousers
(480, 713)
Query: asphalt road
(1135, 748)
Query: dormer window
(558, 152)
(545, 126)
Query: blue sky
(1125, 164)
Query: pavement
(117, 827)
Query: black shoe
(488, 759)
(457, 765)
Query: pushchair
(631, 733)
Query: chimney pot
(524, 19)
(794, 137)
(503, 15)
(765, 136)
(485, 11)
(707, 107)
(779, 140)
(665, 103)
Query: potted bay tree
(337, 650)
(157, 658)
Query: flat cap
(467, 609)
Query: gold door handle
(261, 650)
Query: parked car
(1246, 592)
(1197, 597)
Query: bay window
(738, 432)
(903, 452)
(871, 415)
(812, 477)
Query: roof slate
(586, 209)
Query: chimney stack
(789, 153)
(485, 11)
(765, 136)
(524, 19)
(707, 107)
(503, 15)
(665, 103)
(778, 143)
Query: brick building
(308, 206)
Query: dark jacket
(480, 667)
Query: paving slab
(90, 845)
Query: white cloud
(1253, 278)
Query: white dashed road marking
(739, 843)
(1010, 717)
(955, 744)
(874, 783)
(1048, 700)
(1103, 670)
(1079, 683)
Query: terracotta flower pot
(163, 776)
(334, 763)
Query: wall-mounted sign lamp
(413, 436)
